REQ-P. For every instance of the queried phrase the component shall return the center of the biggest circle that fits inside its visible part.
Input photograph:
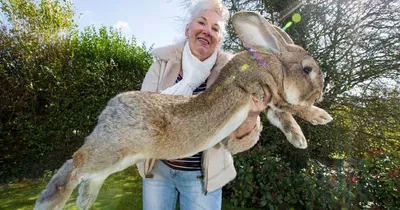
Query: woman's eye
(201, 23)
(216, 30)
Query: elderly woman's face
(204, 34)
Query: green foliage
(44, 20)
(47, 174)
(357, 49)
(265, 181)
(53, 89)
(378, 170)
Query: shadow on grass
(120, 191)
(21, 195)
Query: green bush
(378, 172)
(265, 180)
(52, 93)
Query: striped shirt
(192, 163)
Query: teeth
(204, 40)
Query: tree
(357, 45)
(54, 82)
(44, 20)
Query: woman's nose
(206, 31)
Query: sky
(155, 22)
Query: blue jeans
(167, 185)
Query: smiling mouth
(203, 41)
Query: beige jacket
(217, 162)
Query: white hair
(199, 6)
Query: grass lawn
(120, 191)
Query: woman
(184, 69)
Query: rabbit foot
(320, 117)
(298, 140)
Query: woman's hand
(257, 106)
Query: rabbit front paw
(288, 125)
(319, 116)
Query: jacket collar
(169, 52)
(173, 54)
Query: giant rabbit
(138, 125)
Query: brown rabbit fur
(138, 125)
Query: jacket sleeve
(149, 84)
(235, 145)
(151, 80)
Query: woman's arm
(235, 144)
(247, 135)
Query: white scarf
(195, 72)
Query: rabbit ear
(256, 32)
(284, 35)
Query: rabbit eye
(307, 70)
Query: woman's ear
(187, 31)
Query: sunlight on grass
(121, 191)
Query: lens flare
(296, 17)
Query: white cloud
(124, 26)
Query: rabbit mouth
(315, 97)
(311, 98)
